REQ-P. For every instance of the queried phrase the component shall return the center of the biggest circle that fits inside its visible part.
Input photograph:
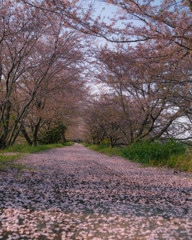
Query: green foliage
(156, 153)
(172, 154)
(55, 134)
(9, 158)
(13, 117)
(17, 166)
(105, 149)
(6, 161)
(105, 142)
(32, 149)
(181, 162)
(65, 144)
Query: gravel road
(75, 193)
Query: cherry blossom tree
(58, 101)
(147, 90)
(41, 60)
(103, 120)
(153, 77)
(35, 50)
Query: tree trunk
(25, 134)
(5, 125)
(36, 132)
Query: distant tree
(103, 121)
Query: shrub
(55, 134)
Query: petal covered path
(76, 193)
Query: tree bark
(36, 132)
(25, 134)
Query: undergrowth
(172, 154)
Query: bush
(55, 134)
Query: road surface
(75, 193)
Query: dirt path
(76, 193)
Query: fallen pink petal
(76, 193)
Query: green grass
(172, 154)
(156, 153)
(182, 162)
(32, 149)
(8, 161)
(105, 149)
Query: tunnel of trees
(52, 53)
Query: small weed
(17, 166)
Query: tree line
(146, 75)
(40, 67)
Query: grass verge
(8, 161)
(32, 149)
(105, 149)
(171, 154)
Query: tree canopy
(50, 56)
